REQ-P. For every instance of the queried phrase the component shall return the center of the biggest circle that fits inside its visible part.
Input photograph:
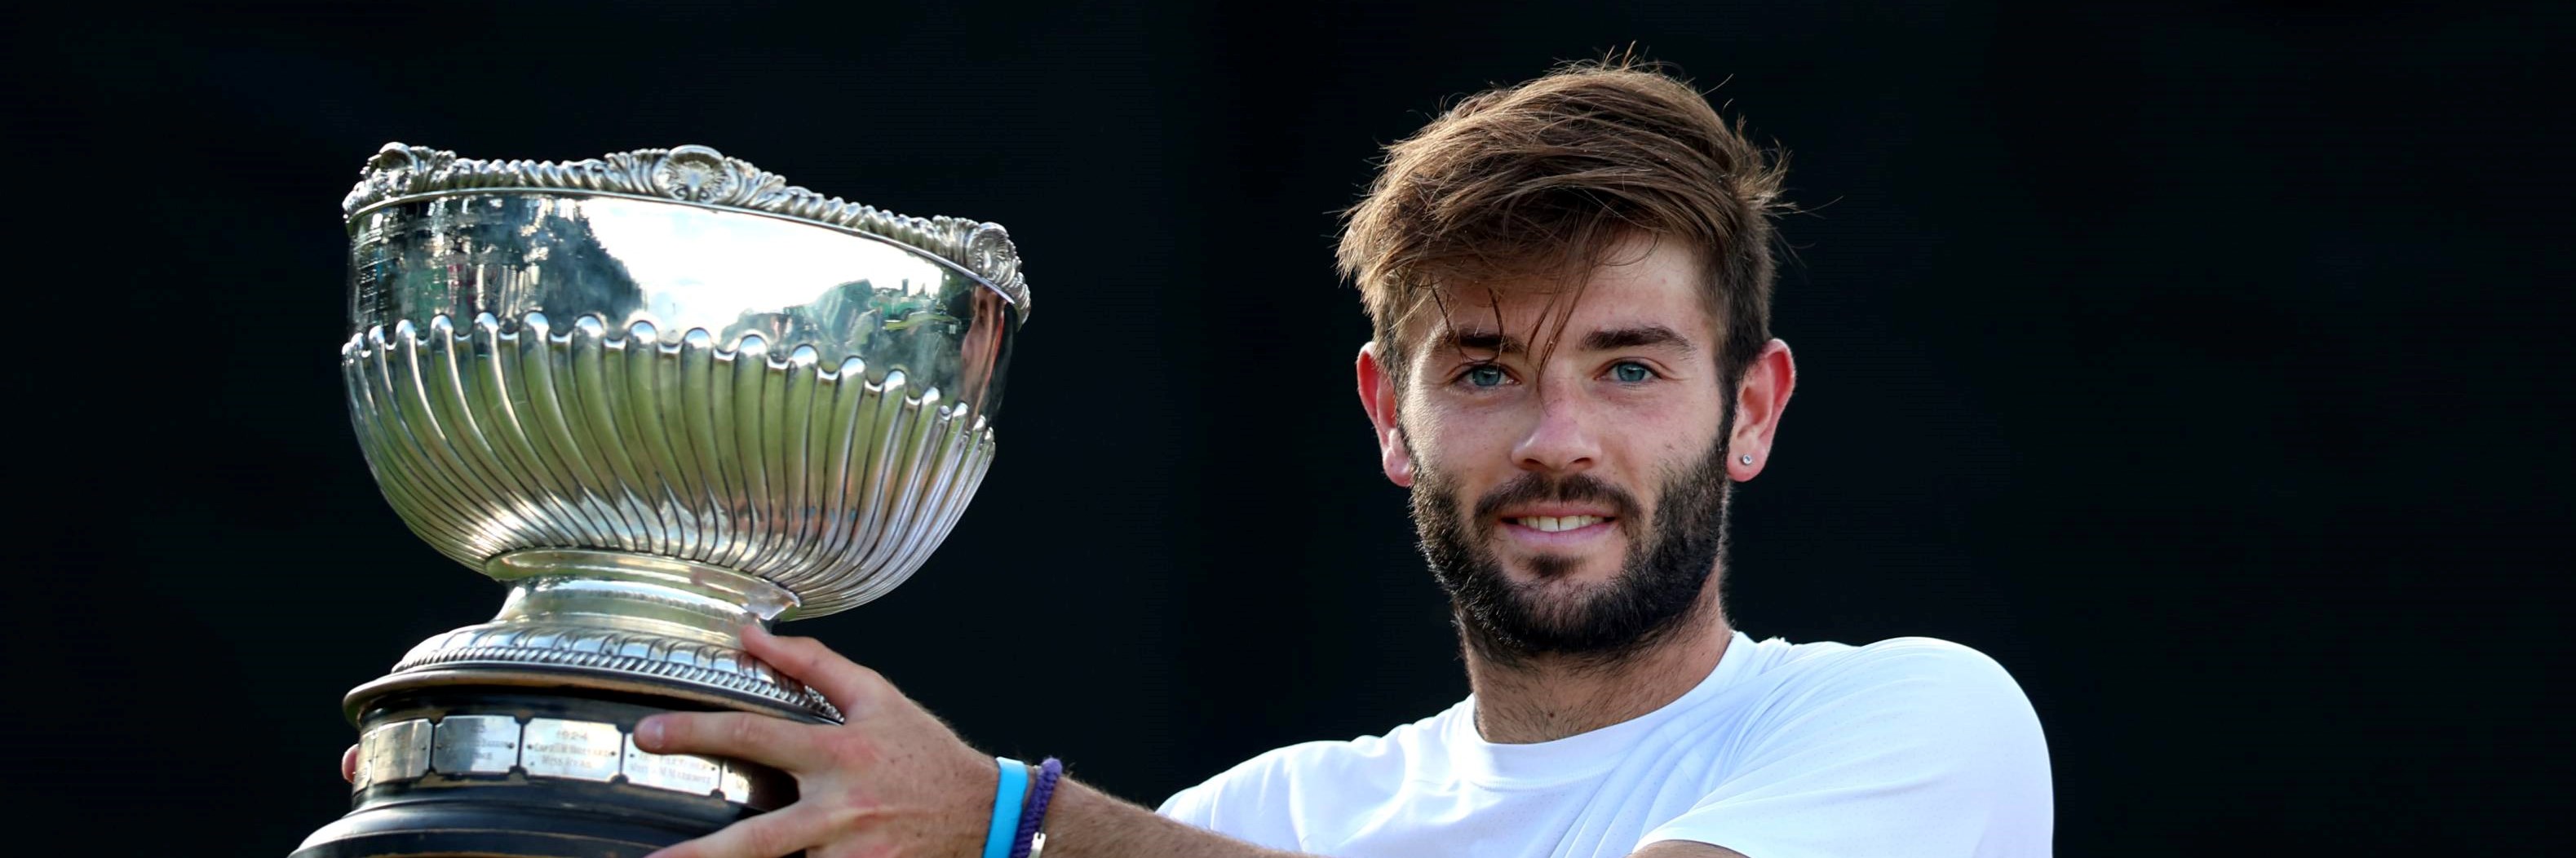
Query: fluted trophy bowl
(659, 395)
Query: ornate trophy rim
(695, 175)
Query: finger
(349, 764)
(854, 688)
(769, 835)
(741, 735)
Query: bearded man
(1570, 285)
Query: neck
(1544, 698)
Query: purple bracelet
(1035, 813)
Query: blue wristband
(1007, 798)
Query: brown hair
(1542, 177)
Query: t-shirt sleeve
(1245, 802)
(1911, 747)
(1193, 806)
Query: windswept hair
(1543, 177)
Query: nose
(1562, 440)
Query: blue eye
(1631, 372)
(1486, 375)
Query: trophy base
(502, 770)
(517, 826)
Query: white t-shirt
(1906, 747)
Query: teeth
(1558, 524)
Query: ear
(1378, 397)
(1760, 398)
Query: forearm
(892, 779)
(1086, 823)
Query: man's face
(1573, 506)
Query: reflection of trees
(527, 253)
(511, 253)
(890, 327)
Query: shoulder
(1944, 699)
(1281, 769)
(1266, 786)
(1909, 746)
(1917, 664)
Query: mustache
(1534, 487)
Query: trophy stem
(614, 621)
(676, 597)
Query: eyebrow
(1607, 339)
(1637, 337)
(1484, 341)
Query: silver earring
(1746, 458)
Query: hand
(890, 781)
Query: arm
(1088, 823)
(893, 780)
(1683, 849)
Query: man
(1571, 363)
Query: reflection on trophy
(659, 395)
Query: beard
(1653, 594)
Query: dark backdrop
(2195, 361)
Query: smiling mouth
(1556, 523)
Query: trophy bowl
(659, 395)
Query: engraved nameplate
(672, 771)
(393, 752)
(475, 744)
(554, 747)
(737, 787)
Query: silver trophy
(659, 395)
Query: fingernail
(648, 732)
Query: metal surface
(679, 772)
(557, 748)
(480, 745)
(691, 174)
(782, 399)
(475, 745)
(665, 394)
(393, 752)
(597, 611)
(733, 785)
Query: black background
(2196, 361)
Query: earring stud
(1746, 458)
